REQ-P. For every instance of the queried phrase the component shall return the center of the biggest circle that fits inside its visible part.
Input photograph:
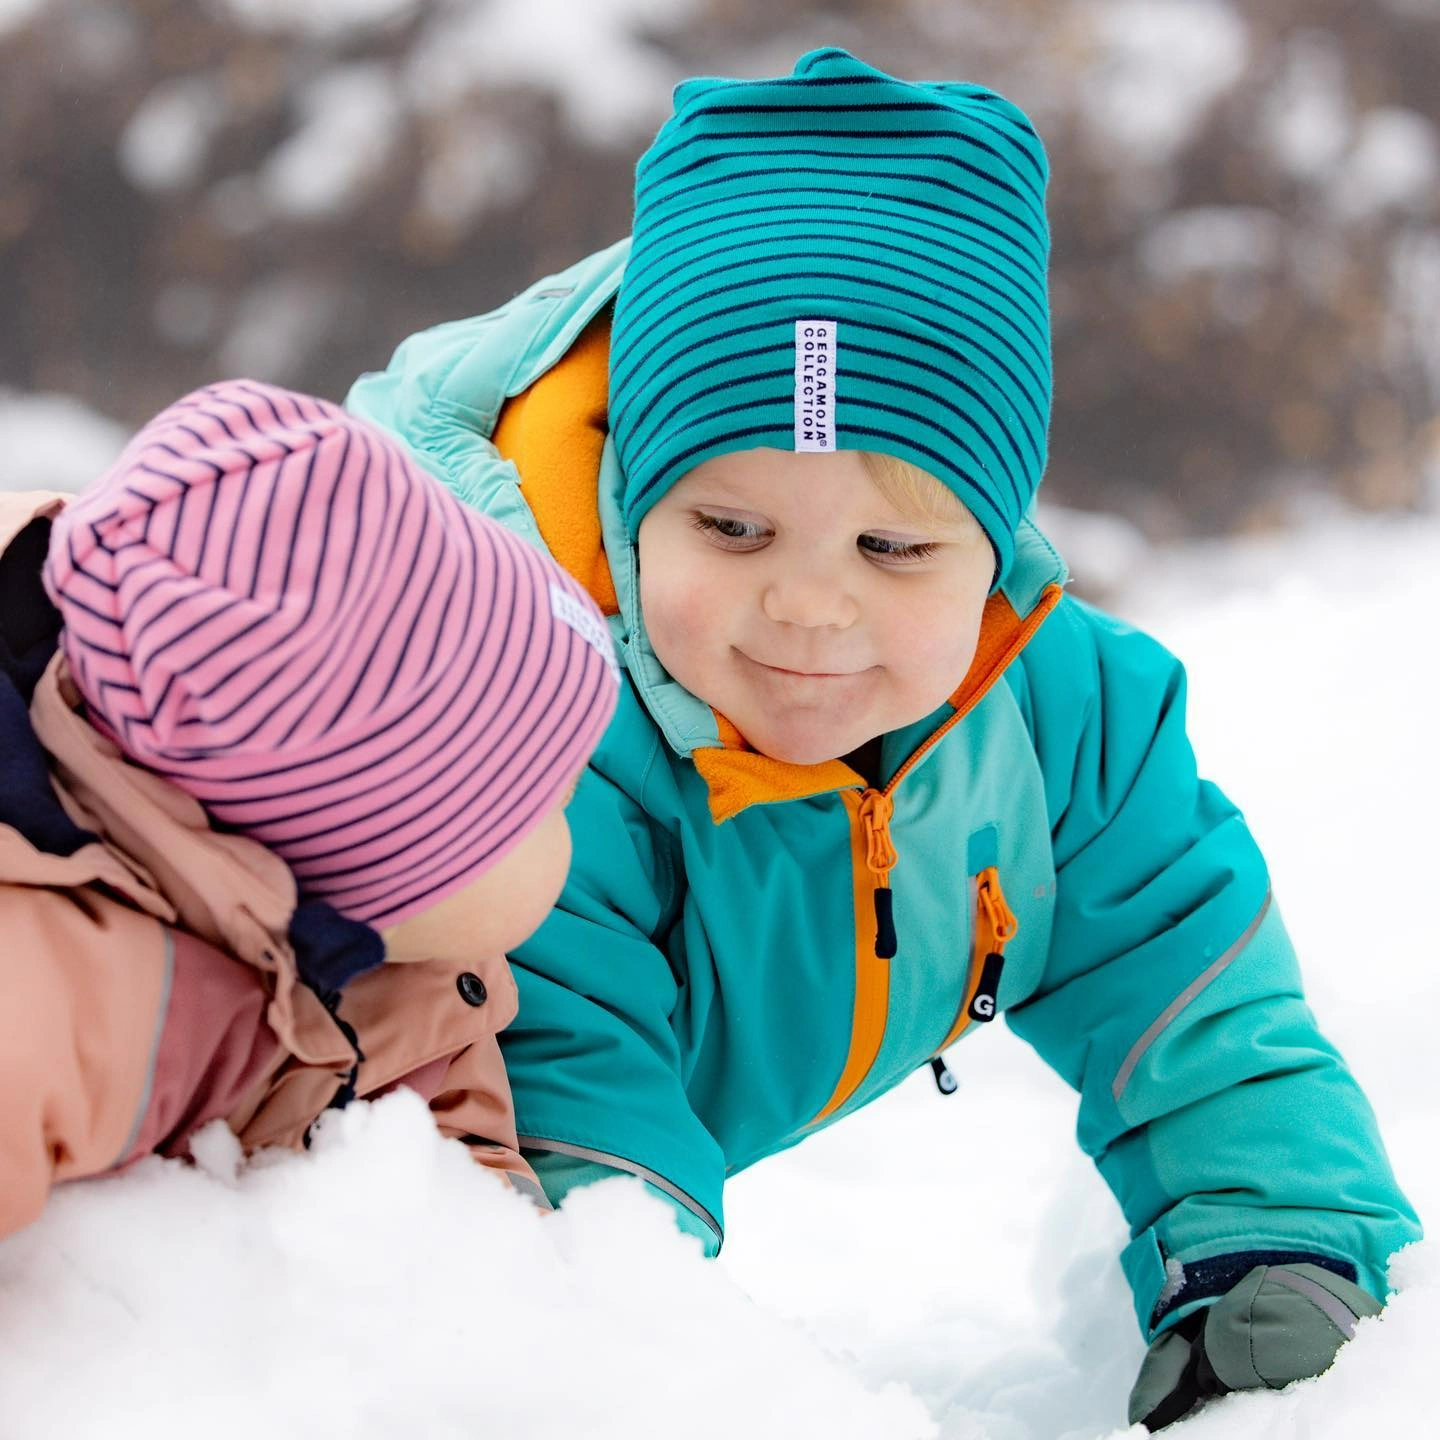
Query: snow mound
(383, 1285)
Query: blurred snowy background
(1246, 204)
(1247, 300)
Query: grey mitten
(1280, 1323)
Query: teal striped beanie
(838, 260)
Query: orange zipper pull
(1003, 924)
(876, 809)
(1003, 927)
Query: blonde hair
(916, 492)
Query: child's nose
(811, 600)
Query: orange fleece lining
(554, 433)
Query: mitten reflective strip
(1342, 1317)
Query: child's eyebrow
(956, 529)
(958, 526)
(717, 491)
(939, 527)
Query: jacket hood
(509, 410)
(555, 433)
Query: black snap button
(472, 989)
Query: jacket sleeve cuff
(1166, 1290)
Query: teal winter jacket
(748, 950)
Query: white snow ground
(942, 1269)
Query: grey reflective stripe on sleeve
(1339, 1313)
(1194, 988)
(618, 1162)
(163, 1011)
(529, 1189)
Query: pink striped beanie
(268, 602)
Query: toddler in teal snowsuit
(875, 778)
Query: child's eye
(732, 534)
(898, 551)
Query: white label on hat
(569, 611)
(815, 361)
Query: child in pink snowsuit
(279, 795)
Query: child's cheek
(684, 612)
(671, 622)
(938, 652)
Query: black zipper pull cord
(886, 941)
(982, 1007)
(945, 1081)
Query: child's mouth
(804, 674)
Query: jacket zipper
(876, 811)
(871, 814)
(995, 927)
(874, 857)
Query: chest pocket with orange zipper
(994, 926)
